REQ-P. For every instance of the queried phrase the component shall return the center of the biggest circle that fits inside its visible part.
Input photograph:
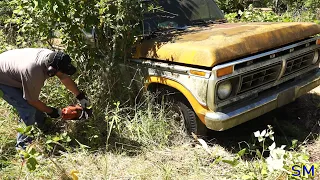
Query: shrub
(5, 11)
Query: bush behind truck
(220, 74)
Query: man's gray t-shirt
(25, 69)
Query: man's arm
(41, 106)
(52, 112)
(68, 82)
(71, 85)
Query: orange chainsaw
(76, 112)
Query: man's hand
(56, 113)
(83, 100)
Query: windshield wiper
(202, 22)
(162, 31)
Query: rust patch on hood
(216, 44)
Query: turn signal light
(318, 42)
(225, 71)
(198, 73)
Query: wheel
(181, 110)
(187, 119)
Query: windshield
(180, 13)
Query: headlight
(316, 57)
(224, 90)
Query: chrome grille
(260, 77)
(299, 63)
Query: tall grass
(8, 124)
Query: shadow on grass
(95, 135)
(299, 120)
(122, 145)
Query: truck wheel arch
(153, 83)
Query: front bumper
(221, 121)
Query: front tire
(180, 108)
(187, 118)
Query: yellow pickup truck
(224, 74)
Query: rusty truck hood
(219, 43)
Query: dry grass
(187, 161)
(179, 163)
(8, 124)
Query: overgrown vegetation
(263, 157)
(251, 14)
(128, 137)
(279, 6)
(67, 23)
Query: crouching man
(22, 75)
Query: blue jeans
(28, 114)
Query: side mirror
(93, 32)
(94, 36)
(90, 38)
